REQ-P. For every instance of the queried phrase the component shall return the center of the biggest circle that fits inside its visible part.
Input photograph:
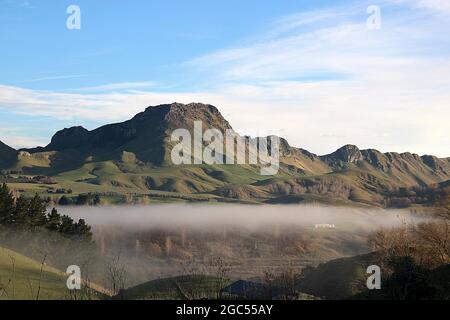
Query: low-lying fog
(210, 216)
(156, 241)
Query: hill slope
(21, 278)
(7, 155)
(178, 288)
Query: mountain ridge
(134, 155)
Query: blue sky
(310, 70)
(119, 42)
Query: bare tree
(435, 240)
(220, 269)
(282, 284)
(427, 243)
(116, 275)
(190, 270)
(40, 277)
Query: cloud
(14, 137)
(119, 86)
(320, 78)
(63, 77)
(386, 89)
(89, 106)
(438, 6)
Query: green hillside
(21, 278)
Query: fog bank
(210, 216)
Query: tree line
(32, 214)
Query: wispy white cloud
(15, 137)
(119, 86)
(439, 6)
(89, 106)
(51, 78)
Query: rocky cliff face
(346, 154)
(146, 134)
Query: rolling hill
(21, 278)
(130, 161)
(346, 278)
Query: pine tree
(64, 201)
(37, 212)
(32, 213)
(83, 229)
(20, 213)
(67, 225)
(53, 220)
(6, 205)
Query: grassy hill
(339, 278)
(182, 287)
(21, 278)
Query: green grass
(182, 287)
(21, 278)
(127, 177)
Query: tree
(20, 214)
(37, 212)
(96, 200)
(408, 281)
(64, 201)
(82, 199)
(54, 220)
(428, 243)
(221, 271)
(6, 204)
(67, 225)
(116, 274)
(32, 213)
(82, 229)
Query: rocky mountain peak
(348, 154)
(183, 116)
(68, 138)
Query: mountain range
(132, 159)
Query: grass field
(22, 278)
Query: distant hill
(7, 155)
(133, 158)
